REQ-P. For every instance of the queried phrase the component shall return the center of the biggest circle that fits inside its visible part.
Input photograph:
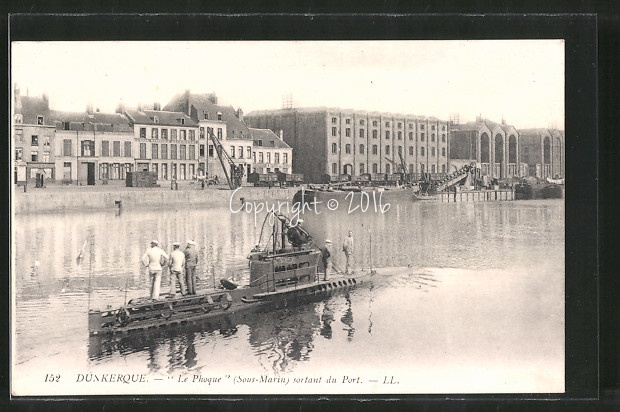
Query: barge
(279, 275)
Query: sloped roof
(164, 118)
(538, 132)
(269, 138)
(34, 105)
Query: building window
(421, 137)
(210, 150)
(219, 116)
(387, 168)
(155, 133)
(285, 158)
(88, 148)
(361, 122)
(421, 127)
(421, 151)
(347, 121)
(201, 150)
(261, 159)
(46, 157)
(19, 118)
(334, 131)
(410, 150)
(432, 168)
(34, 156)
(142, 150)
(219, 132)
(443, 151)
(19, 135)
(66, 147)
(39, 119)
(374, 149)
(232, 151)
(387, 149)
(400, 125)
(164, 151)
(182, 120)
(347, 148)
(410, 125)
(334, 120)
(268, 157)
(443, 128)
(127, 149)
(410, 135)
(433, 151)
(387, 124)
(19, 154)
(361, 168)
(173, 134)
(375, 168)
(155, 151)
(205, 115)
(183, 134)
(362, 133)
(374, 134)
(34, 141)
(105, 148)
(260, 142)
(347, 132)
(443, 137)
(276, 157)
(116, 148)
(374, 123)
(334, 148)
(192, 152)
(143, 133)
(334, 168)
(432, 137)
(173, 151)
(433, 127)
(249, 152)
(240, 152)
(192, 135)
(361, 149)
(164, 134)
(202, 133)
(387, 135)
(66, 125)
(400, 135)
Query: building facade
(225, 123)
(542, 151)
(493, 145)
(271, 153)
(334, 141)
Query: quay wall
(45, 201)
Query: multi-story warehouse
(271, 153)
(494, 146)
(335, 141)
(542, 151)
(33, 139)
(224, 122)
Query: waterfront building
(271, 153)
(542, 150)
(166, 143)
(334, 141)
(494, 146)
(224, 122)
(33, 139)
(92, 147)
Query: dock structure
(496, 195)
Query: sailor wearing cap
(154, 258)
(325, 255)
(191, 261)
(177, 269)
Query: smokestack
(186, 103)
(240, 114)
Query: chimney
(212, 97)
(89, 108)
(46, 100)
(186, 102)
(139, 107)
(120, 108)
(240, 114)
(157, 106)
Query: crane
(236, 172)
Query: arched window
(387, 168)
(334, 148)
(387, 134)
(347, 148)
(334, 168)
(410, 150)
(361, 168)
(361, 149)
(433, 151)
(421, 151)
(443, 151)
(387, 149)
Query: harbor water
(476, 304)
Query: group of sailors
(181, 263)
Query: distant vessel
(278, 275)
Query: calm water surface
(478, 307)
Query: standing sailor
(325, 255)
(153, 258)
(191, 261)
(347, 248)
(177, 270)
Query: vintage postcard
(287, 217)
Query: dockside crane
(236, 172)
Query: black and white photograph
(288, 217)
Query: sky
(521, 81)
